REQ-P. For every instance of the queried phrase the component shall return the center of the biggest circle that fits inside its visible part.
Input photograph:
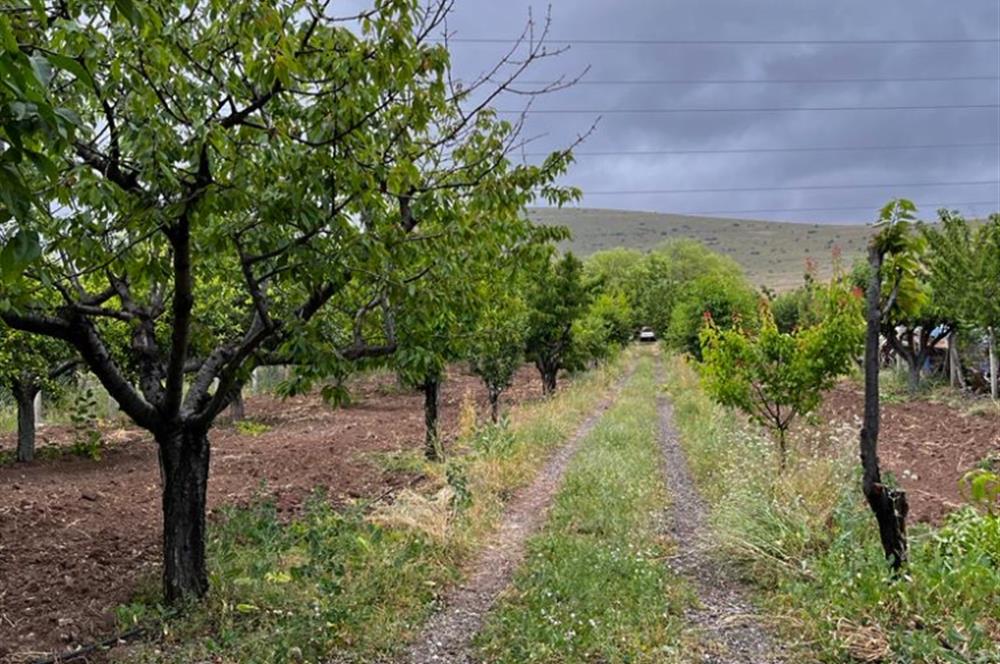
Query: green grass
(809, 543)
(773, 253)
(356, 584)
(594, 586)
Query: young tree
(27, 365)
(604, 327)
(496, 346)
(270, 145)
(963, 266)
(890, 259)
(726, 299)
(776, 377)
(557, 297)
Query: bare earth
(77, 536)
(927, 445)
(448, 635)
(725, 618)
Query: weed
(353, 584)
(808, 542)
(252, 427)
(594, 586)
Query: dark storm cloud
(762, 20)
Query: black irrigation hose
(71, 655)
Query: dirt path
(448, 634)
(725, 618)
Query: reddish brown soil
(927, 445)
(77, 536)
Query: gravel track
(447, 637)
(725, 618)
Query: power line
(730, 42)
(817, 187)
(848, 148)
(950, 206)
(764, 109)
(763, 81)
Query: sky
(934, 149)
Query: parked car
(647, 335)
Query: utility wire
(764, 109)
(950, 206)
(729, 42)
(846, 148)
(763, 81)
(815, 187)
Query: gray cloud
(767, 20)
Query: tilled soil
(77, 536)
(448, 634)
(725, 619)
(927, 445)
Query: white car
(647, 335)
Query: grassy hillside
(772, 253)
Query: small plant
(982, 486)
(87, 441)
(495, 440)
(252, 427)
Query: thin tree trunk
(913, 375)
(994, 364)
(184, 455)
(25, 393)
(888, 505)
(955, 362)
(549, 371)
(493, 393)
(782, 450)
(431, 389)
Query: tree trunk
(955, 362)
(888, 505)
(25, 393)
(549, 372)
(782, 450)
(431, 389)
(237, 409)
(913, 375)
(493, 393)
(994, 364)
(184, 457)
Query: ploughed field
(78, 537)
(927, 445)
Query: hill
(772, 253)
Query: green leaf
(72, 66)
(19, 252)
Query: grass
(772, 253)
(594, 586)
(808, 542)
(356, 584)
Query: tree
(272, 146)
(29, 364)
(776, 377)
(963, 266)
(557, 297)
(890, 260)
(496, 346)
(605, 326)
(726, 299)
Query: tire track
(448, 635)
(725, 617)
